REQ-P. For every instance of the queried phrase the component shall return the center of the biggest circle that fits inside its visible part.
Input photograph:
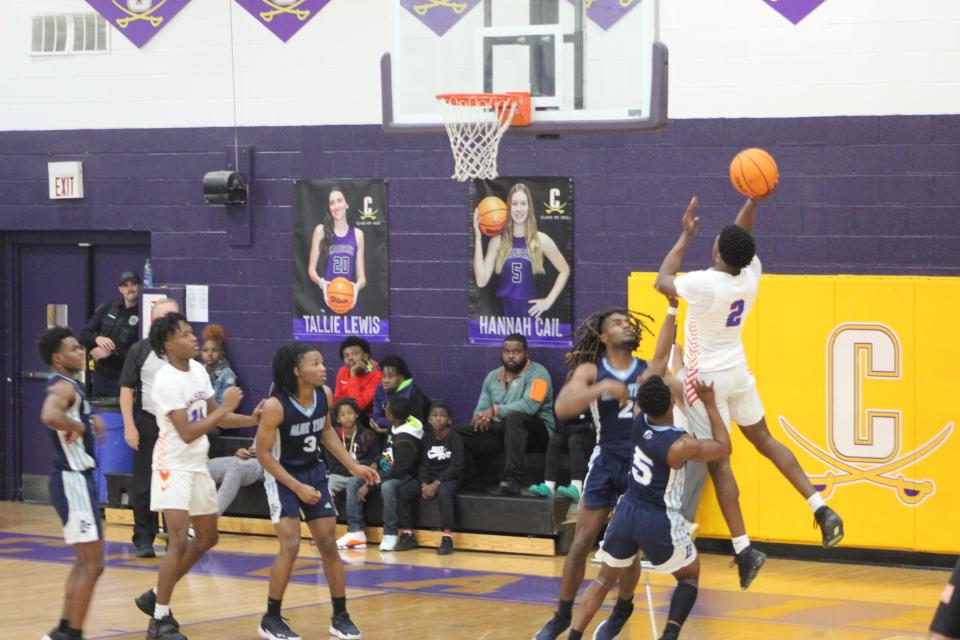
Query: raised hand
(691, 222)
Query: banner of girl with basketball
(340, 266)
(521, 250)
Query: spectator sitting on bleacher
(232, 473)
(516, 404)
(362, 444)
(214, 358)
(441, 466)
(398, 462)
(359, 376)
(396, 379)
(579, 438)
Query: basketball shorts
(606, 479)
(74, 496)
(284, 503)
(635, 526)
(946, 620)
(737, 399)
(190, 491)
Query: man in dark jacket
(400, 461)
(396, 379)
(110, 332)
(441, 466)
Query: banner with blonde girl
(521, 260)
(340, 265)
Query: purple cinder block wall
(857, 195)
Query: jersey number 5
(736, 313)
(642, 472)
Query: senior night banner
(340, 266)
(521, 260)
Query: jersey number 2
(736, 313)
(310, 444)
(642, 472)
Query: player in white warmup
(718, 301)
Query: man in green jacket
(516, 404)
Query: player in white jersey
(718, 301)
(181, 486)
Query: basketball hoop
(475, 123)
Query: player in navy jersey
(604, 381)
(294, 428)
(516, 256)
(648, 518)
(336, 249)
(72, 489)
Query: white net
(475, 125)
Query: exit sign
(66, 179)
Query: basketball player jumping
(719, 299)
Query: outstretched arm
(671, 263)
(668, 333)
(707, 449)
(747, 214)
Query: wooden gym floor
(417, 594)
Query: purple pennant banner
(794, 10)
(606, 13)
(138, 20)
(439, 15)
(283, 17)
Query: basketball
(754, 173)
(492, 213)
(340, 295)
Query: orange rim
(481, 99)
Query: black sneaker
(275, 628)
(554, 627)
(165, 629)
(508, 488)
(147, 602)
(749, 562)
(831, 525)
(55, 634)
(610, 628)
(342, 626)
(446, 546)
(146, 551)
(405, 542)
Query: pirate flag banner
(340, 267)
(521, 260)
(283, 17)
(857, 375)
(138, 20)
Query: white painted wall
(730, 58)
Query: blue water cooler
(113, 454)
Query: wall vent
(69, 34)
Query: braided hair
(589, 347)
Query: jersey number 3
(642, 471)
(736, 313)
(310, 444)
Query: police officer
(110, 332)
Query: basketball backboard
(590, 65)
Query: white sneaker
(389, 543)
(352, 540)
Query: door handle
(35, 375)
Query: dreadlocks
(589, 347)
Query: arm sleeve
(379, 401)
(454, 470)
(405, 459)
(485, 401)
(536, 390)
(130, 376)
(88, 337)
